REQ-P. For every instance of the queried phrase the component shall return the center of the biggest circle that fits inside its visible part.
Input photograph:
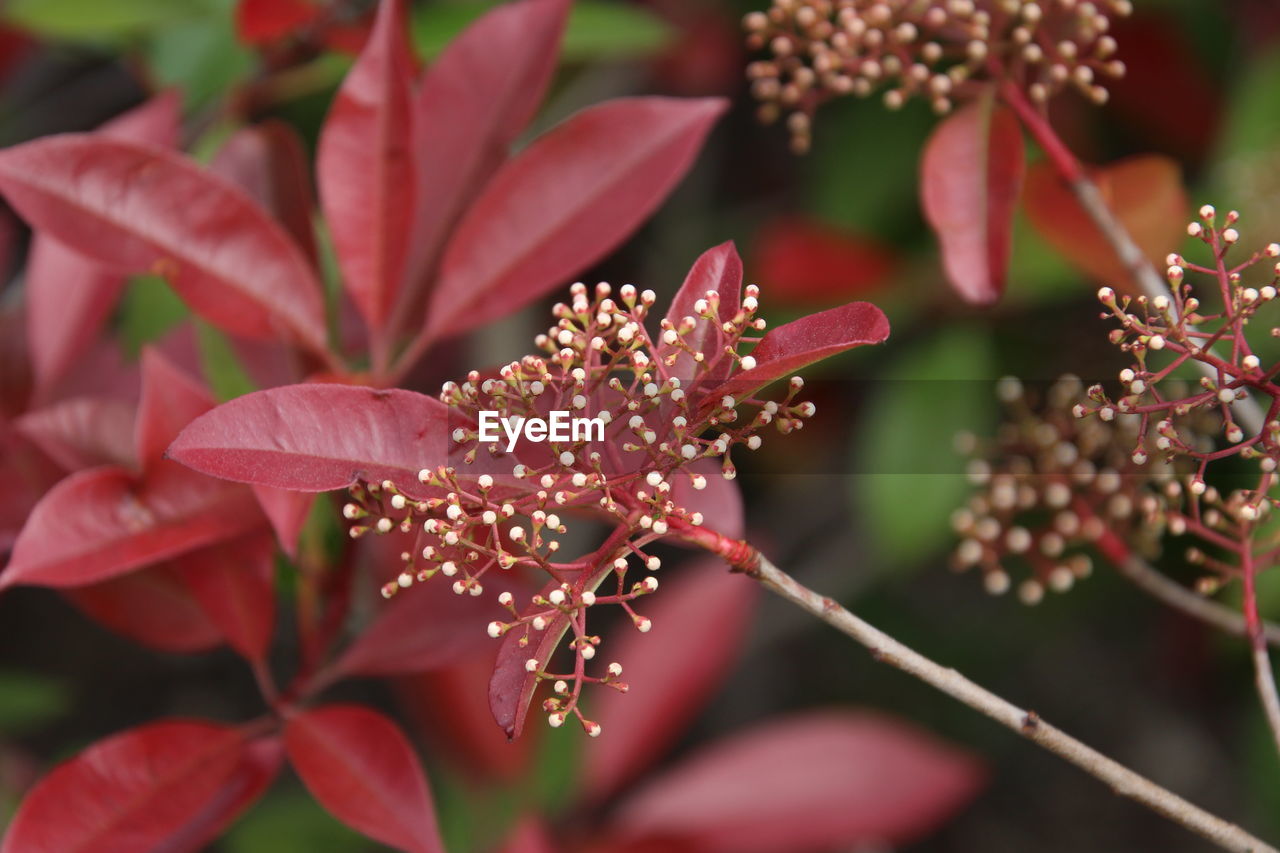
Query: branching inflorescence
(675, 409)
(1138, 463)
(940, 50)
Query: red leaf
(970, 178)
(136, 790)
(511, 687)
(365, 163)
(264, 21)
(317, 438)
(68, 296)
(27, 473)
(700, 620)
(152, 607)
(794, 345)
(133, 206)
(811, 782)
(470, 109)
(234, 583)
(718, 270)
(260, 764)
(804, 261)
(427, 627)
(1148, 197)
(102, 522)
(170, 400)
(720, 501)
(287, 511)
(269, 162)
(530, 835)
(449, 707)
(563, 203)
(154, 122)
(83, 432)
(360, 766)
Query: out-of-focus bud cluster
(940, 50)
(1051, 490)
(1092, 470)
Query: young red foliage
(360, 766)
(812, 262)
(716, 270)
(130, 205)
(487, 103)
(809, 782)
(1145, 192)
(265, 21)
(970, 178)
(153, 607)
(370, 211)
(699, 627)
(269, 162)
(564, 202)
(318, 438)
(68, 295)
(140, 789)
(802, 342)
(103, 522)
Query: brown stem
(1176, 595)
(1246, 409)
(886, 649)
(1263, 675)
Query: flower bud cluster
(1050, 491)
(940, 50)
(1205, 323)
(662, 437)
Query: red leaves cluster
(437, 227)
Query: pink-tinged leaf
(511, 687)
(470, 109)
(802, 342)
(154, 122)
(449, 707)
(365, 164)
(426, 628)
(135, 207)
(133, 791)
(264, 21)
(287, 511)
(970, 178)
(83, 432)
(317, 438)
(563, 203)
(68, 296)
(234, 583)
(718, 270)
(720, 501)
(27, 473)
(811, 782)
(360, 766)
(171, 399)
(152, 607)
(103, 522)
(260, 764)
(269, 162)
(530, 835)
(700, 622)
